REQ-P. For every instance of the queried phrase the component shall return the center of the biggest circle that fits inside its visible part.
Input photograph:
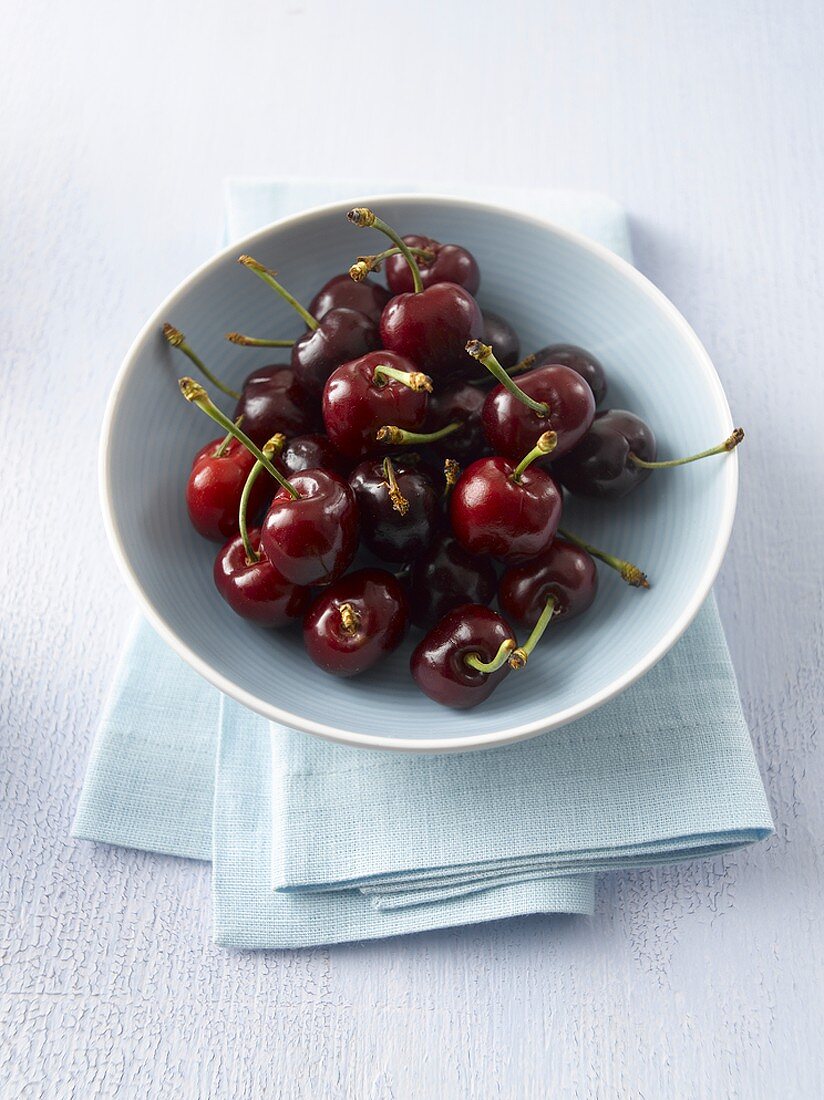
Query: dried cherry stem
(196, 394)
(389, 433)
(364, 218)
(176, 338)
(399, 501)
(520, 656)
(220, 450)
(628, 572)
(729, 444)
(414, 379)
(544, 445)
(274, 446)
(498, 661)
(484, 354)
(365, 265)
(268, 277)
(257, 341)
(451, 474)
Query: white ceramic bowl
(553, 285)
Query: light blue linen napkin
(314, 843)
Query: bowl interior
(552, 287)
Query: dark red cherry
(342, 334)
(311, 539)
(510, 512)
(356, 622)
(432, 328)
(312, 452)
(446, 576)
(444, 664)
(502, 337)
(255, 589)
(600, 466)
(462, 403)
(272, 401)
(398, 508)
(564, 571)
(341, 292)
(450, 263)
(215, 485)
(578, 359)
(363, 395)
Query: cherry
(356, 622)
(461, 403)
(500, 334)
(570, 355)
(272, 401)
(564, 571)
(310, 532)
(312, 452)
(511, 512)
(215, 486)
(618, 453)
(462, 659)
(447, 263)
(398, 508)
(429, 326)
(446, 576)
(341, 335)
(552, 398)
(366, 296)
(362, 395)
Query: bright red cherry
(341, 292)
(500, 335)
(447, 263)
(462, 659)
(363, 395)
(398, 507)
(510, 512)
(312, 452)
(215, 485)
(564, 571)
(446, 576)
(253, 587)
(578, 359)
(356, 622)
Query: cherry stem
(522, 365)
(545, 444)
(520, 656)
(628, 572)
(196, 394)
(389, 433)
(227, 439)
(257, 341)
(176, 338)
(451, 474)
(364, 218)
(349, 619)
(484, 354)
(498, 661)
(729, 444)
(274, 446)
(415, 380)
(399, 501)
(268, 277)
(365, 265)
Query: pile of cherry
(383, 432)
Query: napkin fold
(314, 843)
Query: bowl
(554, 286)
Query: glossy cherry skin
(438, 663)
(387, 533)
(512, 428)
(272, 401)
(381, 615)
(462, 402)
(491, 513)
(452, 264)
(502, 338)
(564, 571)
(356, 404)
(214, 488)
(255, 590)
(311, 452)
(313, 539)
(343, 334)
(578, 359)
(446, 576)
(341, 292)
(600, 465)
(432, 329)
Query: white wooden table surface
(118, 123)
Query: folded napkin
(314, 843)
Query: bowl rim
(504, 736)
